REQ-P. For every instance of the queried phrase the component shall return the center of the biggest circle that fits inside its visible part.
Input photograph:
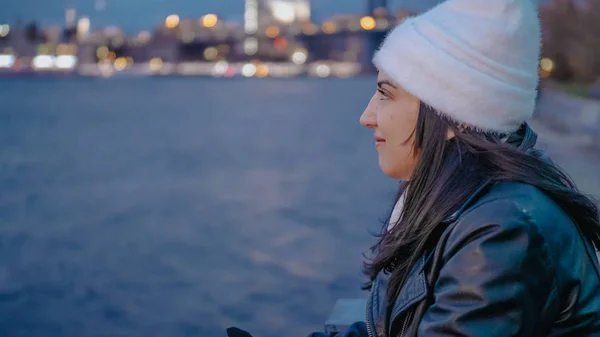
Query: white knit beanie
(475, 61)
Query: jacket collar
(524, 138)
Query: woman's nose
(368, 119)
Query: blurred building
(54, 34)
(83, 28)
(207, 38)
(273, 32)
(270, 27)
(70, 17)
(340, 39)
(252, 14)
(20, 41)
(288, 11)
(373, 5)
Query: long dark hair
(448, 172)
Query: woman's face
(392, 114)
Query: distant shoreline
(198, 69)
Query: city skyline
(135, 15)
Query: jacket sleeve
(496, 279)
(357, 329)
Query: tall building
(83, 27)
(289, 11)
(251, 16)
(259, 13)
(53, 34)
(70, 15)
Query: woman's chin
(393, 171)
(388, 171)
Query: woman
(487, 237)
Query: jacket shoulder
(517, 205)
(516, 226)
(522, 218)
(518, 211)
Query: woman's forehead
(382, 76)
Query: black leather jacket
(510, 263)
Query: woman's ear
(461, 128)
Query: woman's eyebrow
(383, 82)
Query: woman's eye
(383, 94)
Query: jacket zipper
(405, 324)
(368, 323)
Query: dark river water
(181, 206)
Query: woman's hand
(235, 332)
